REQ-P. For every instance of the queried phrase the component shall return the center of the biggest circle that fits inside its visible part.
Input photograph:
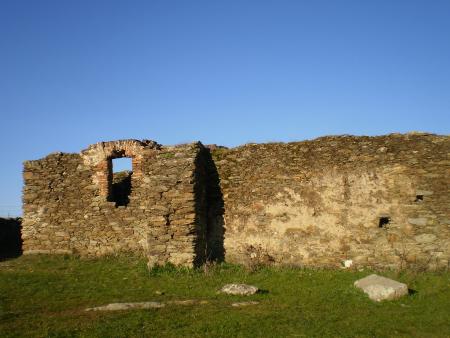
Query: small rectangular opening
(383, 222)
(419, 198)
(122, 170)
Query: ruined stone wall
(68, 206)
(378, 201)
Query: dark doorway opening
(10, 238)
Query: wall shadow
(10, 238)
(215, 232)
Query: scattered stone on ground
(182, 302)
(127, 306)
(381, 288)
(239, 289)
(145, 305)
(240, 304)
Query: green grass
(45, 296)
(167, 155)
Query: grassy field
(45, 296)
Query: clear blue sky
(228, 72)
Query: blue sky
(228, 72)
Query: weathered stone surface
(239, 289)
(127, 306)
(320, 202)
(380, 288)
(424, 192)
(418, 221)
(46, 252)
(425, 238)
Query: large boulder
(381, 288)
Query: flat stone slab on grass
(187, 302)
(145, 305)
(381, 288)
(241, 304)
(127, 306)
(239, 289)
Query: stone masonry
(68, 207)
(377, 201)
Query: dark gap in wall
(419, 198)
(383, 222)
(10, 238)
(215, 231)
(121, 181)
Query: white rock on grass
(347, 263)
(239, 289)
(381, 288)
(127, 306)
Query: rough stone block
(380, 288)
(418, 221)
(425, 238)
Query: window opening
(122, 164)
(122, 170)
(383, 222)
(419, 198)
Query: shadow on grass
(411, 292)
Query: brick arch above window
(99, 156)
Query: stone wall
(375, 201)
(69, 204)
(378, 201)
